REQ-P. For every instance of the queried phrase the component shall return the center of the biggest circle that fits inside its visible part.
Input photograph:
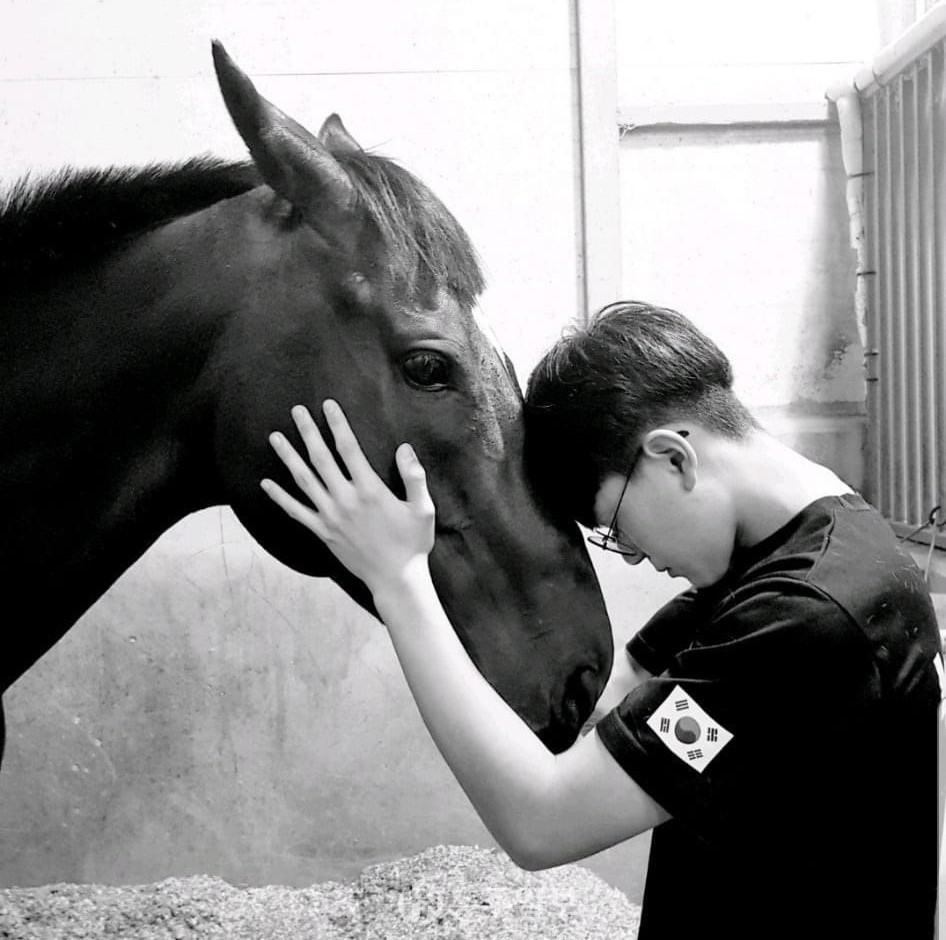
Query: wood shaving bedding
(449, 892)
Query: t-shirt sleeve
(668, 632)
(744, 711)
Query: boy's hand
(381, 539)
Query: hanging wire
(934, 524)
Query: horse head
(364, 289)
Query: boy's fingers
(301, 472)
(347, 444)
(294, 508)
(319, 454)
(414, 477)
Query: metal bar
(873, 474)
(918, 377)
(883, 313)
(939, 253)
(903, 118)
(898, 238)
(926, 305)
(925, 313)
(910, 312)
(598, 155)
(888, 63)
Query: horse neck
(99, 384)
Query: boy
(776, 725)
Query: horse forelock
(425, 244)
(75, 216)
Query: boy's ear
(673, 446)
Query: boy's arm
(543, 809)
(667, 633)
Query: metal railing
(893, 125)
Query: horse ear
(336, 138)
(292, 160)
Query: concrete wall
(215, 712)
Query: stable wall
(732, 198)
(744, 228)
(215, 712)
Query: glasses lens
(606, 540)
(599, 539)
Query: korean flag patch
(688, 731)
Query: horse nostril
(578, 699)
(572, 710)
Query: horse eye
(426, 369)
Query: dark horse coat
(157, 323)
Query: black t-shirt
(790, 731)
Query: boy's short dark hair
(601, 387)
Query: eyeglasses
(607, 538)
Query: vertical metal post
(598, 154)
(912, 370)
(884, 312)
(926, 306)
(874, 473)
(938, 86)
(898, 308)
(903, 108)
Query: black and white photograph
(472, 471)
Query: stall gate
(893, 120)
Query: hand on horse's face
(381, 539)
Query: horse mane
(74, 217)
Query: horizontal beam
(722, 115)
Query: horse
(157, 322)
